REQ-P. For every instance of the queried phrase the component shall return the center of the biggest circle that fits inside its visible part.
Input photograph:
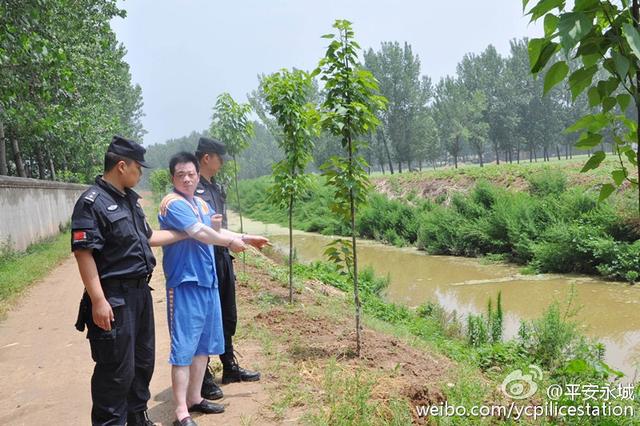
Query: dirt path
(46, 364)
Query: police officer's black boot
(232, 372)
(210, 389)
(140, 418)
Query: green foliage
(66, 89)
(340, 252)
(161, 183)
(347, 112)
(391, 221)
(614, 62)
(551, 337)
(477, 333)
(548, 182)
(232, 126)
(483, 329)
(286, 94)
(559, 232)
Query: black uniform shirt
(213, 193)
(113, 225)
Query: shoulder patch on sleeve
(91, 196)
(166, 201)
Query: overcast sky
(184, 53)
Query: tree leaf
(550, 24)
(621, 64)
(619, 176)
(589, 140)
(543, 7)
(608, 103)
(555, 75)
(546, 52)
(580, 80)
(594, 96)
(605, 191)
(573, 26)
(593, 162)
(632, 36)
(623, 101)
(593, 122)
(582, 5)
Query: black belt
(130, 282)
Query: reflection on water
(608, 310)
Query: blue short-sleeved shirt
(187, 260)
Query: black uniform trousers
(124, 356)
(227, 289)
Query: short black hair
(111, 160)
(201, 154)
(183, 157)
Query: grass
(19, 270)
(331, 392)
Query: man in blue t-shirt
(193, 302)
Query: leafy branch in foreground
(604, 37)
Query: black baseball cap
(129, 149)
(208, 145)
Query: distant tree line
(492, 110)
(65, 88)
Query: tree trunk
(290, 249)
(399, 167)
(480, 158)
(42, 169)
(420, 165)
(51, 166)
(382, 166)
(558, 152)
(386, 150)
(497, 151)
(4, 170)
(356, 293)
(17, 157)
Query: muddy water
(608, 311)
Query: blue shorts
(195, 322)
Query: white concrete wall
(32, 209)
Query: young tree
(605, 37)
(287, 93)
(348, 113)
(232, 126)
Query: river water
(608, 311)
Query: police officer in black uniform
(111, 241)
(211, 155)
